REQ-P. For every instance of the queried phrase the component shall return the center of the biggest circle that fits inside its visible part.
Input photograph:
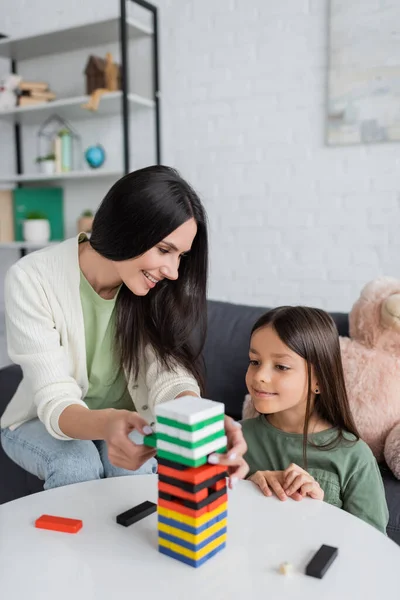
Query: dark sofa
(226, 361)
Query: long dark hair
(140, 210)
(312, 334)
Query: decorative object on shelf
(102, 76)
(6, 216)
(47, 164)
(31, 93)
(48, 200)
(36, 228)
(85, 222)
(56, 136)
(66, 150)
(95, 156)
(8, 91)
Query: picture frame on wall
(364, 72)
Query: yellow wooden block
(191, 537)
(190, 553)
(192, 521)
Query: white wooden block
(189, 409)
(190, 436)
(193, 453)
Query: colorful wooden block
(195, 505)
(194, 476)
(189, 561)
(192, 541)
(193, 554)
(62, 524)
(190, 487)
(190, 512)
(189, 523)
(190, 410)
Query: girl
(102, 330)
(295, 380)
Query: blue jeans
(61, 462)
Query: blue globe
(95, 156)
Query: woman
(102, 329)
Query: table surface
(107, 561)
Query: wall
(244, 91)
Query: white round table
(106, 561)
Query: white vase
(48, 167)
(36, 231)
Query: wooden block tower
(192, 495)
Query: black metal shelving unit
(125, 83)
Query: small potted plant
(47, 164)
(36, 228)
(85, 222)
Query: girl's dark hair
(312, 334)
(139, 211)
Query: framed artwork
(364, 72)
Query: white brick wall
(244, 88)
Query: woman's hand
(297, 481)
(122, 452)
(233, 459)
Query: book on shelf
(6, 216)
(43, 95)
(38, 86)
(27, 101)
(48, 201)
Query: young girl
(295, 380)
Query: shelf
(71, 109)
(27, 245)
(33, 177)
(74, 38)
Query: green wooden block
(191, 445)
(186, 427)
(198, 462)
(150, 440)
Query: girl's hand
(297, 481)
(270, 481)
(233, 459)
(122, 452)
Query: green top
(348, 473)
(107, 382)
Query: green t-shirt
(348, 473)
(107, 382)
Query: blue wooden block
(188, 545)
(189, 561)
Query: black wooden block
(321, 561)
(136, 513)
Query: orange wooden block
(190, 512)
(58, 524)
(175, 491)
(219, 485)
(193, 475)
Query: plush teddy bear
(8, 91)
(371, 364)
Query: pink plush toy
(371, 363)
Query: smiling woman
(102, 329)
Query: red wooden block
(193, 475)
(58, 524)
(190, 512)
(175, 491)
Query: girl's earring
(317, 390)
